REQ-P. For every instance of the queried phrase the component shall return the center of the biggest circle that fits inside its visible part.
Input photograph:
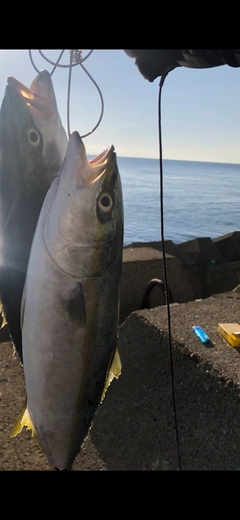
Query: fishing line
(75, 59)
(68, 91)
(57, 62)
(165, 267)
(32, 62)
(69, 88)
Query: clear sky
(200, 108)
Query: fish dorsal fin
(114, 372)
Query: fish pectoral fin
(23, 420)
(114, 372)
(75, 306)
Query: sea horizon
(167, 159)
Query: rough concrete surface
(141, 265)
(134, 428)
(195, 269)
(229, 246)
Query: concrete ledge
(135, 429)
(207, 391)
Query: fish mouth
(89, 172)
(101, 162)
(40, 97)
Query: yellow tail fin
(115, 371)
(4, 321)
(23, 420)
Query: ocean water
(201, 199)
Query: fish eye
(105, 202)
(33, 137)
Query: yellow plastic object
(231, 332)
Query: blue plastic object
(204, 338)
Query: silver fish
(70, 303)
(33, 145)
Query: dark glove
(154, 62)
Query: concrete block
(187, 264)
(139, 266)
(207, 392)
(202, 252)
(229, 246)
(220, 278)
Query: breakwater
(196, 269)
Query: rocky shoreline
(135, 428)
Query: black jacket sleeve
(155, 62)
